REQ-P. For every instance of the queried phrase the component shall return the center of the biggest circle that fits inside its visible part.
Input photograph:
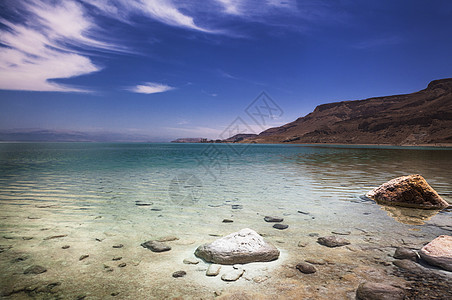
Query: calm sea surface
(97, 195)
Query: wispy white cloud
(150, 88)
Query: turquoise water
(129, 193)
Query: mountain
(424, 117)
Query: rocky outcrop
(408, 191)
(439, 252)
(241, 247)
(423, 117)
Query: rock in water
(332, 241)
(213, 270)
(379, 291)
(35, 269)
(306, 268)
(273, 219)
(405, 253)
(232, 275)
(408, 191)
(240, 247)
(155, 246)
(439, 252)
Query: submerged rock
(155, 246)
(273, 219)
(332, 241)
(233, 275)
(405, 253)
(439, 252)
(306, 268)
(240, 247)
(281, 226)
(35, 269)
(408, 191)
(178, 274)
(213, 270)
(379, 291)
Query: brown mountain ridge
(424, 117)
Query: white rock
(240, 247)
(232, 275)
(213, 270)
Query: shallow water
(130, 193)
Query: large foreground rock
(240, 247)
(408, 191)
(439, 252)
(379, 291)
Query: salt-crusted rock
(439, 252)
(408, 191)
(240, 247)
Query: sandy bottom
(36, 234)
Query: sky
(157, 70)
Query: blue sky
(161, 69)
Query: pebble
(280, 226)
(118, 246)
(114, 294)
(303, 212)
(332, 241)
(313, 234)
(155, 246)
(117, 258)
(122, 265)
(191, 261)
(35, 269)
(273, 219)
(341, 232)
(213, 270)
(83, 257)
(156, 209)
(143, 204)
(306, 268)
(178, 274)
(227, 221)
(55, 237)
(232, 275)
(236, 206)
(302, 244)
(65, 247)
(27, 238)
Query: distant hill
(188, 140)
(424, 117)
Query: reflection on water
(410, 216)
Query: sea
(82, 211)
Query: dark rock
(27, 238)
(379, 291)
(408, 191)
(341, 232)
(156, 209)
(118, 246)
(65, 247)
(439, 252)
(227, 221)
(114, 294)
(122, 265)
(83, 257)
(236, 206)
(280, 226)
(405, 253)
(313, 234)
(332, 241)
(55, 237)
(408, 265)
(155, 246)
(178, 274)
(306, 268)
(273, 219)
(19, 259)
(240, 247)
(117, 258)
(35, 269)
(143, 204)
(303, 212)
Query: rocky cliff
(424, 117)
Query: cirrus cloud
(150, 88)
